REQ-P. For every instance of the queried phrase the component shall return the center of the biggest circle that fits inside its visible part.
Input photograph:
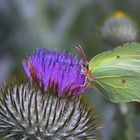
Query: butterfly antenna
(79, 48)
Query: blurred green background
(97, 25)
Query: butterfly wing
(117, 73)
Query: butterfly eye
(87, 66)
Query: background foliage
(26, 25)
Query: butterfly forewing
(117, 73)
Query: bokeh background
(97, 25)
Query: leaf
(117, 73)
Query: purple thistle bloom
(48, 67)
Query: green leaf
(117, 73)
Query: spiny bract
(28, 113)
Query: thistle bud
(119, 28)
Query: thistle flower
(48, 67)
(28, 113)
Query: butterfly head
(84, 64)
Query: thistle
(52, 109)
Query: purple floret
(49, 67)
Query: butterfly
(116, 73)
